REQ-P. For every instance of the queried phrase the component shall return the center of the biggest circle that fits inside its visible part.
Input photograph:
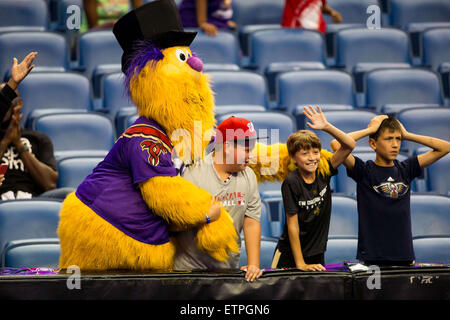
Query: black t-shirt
(17, 176)
(384, 215)
(312, 204)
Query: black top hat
(157, 21)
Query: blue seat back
(26, 219)
(317, 87)
(247, 12)
(435, 47)
(352, 11)
(438, 176)
(402, 86)
(432, 249)
(23, 13)
(356, 45)
(32, 253)
(404, 12)
(340, 250)
(276, 126)
(52, 48)
(72, 171)
(430, 215)
(114, 93)
(223, 48)
(285, 45)
(55, 90)
(266, 254)
(238, 87)
(432, 122)
(344, 217)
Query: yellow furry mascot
(119, 216)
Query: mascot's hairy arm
(186, 206)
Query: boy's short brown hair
(390, 124)
(302, 139)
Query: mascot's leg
(91, 243)
(186, 206)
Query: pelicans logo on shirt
(154, 150)
(392, 189)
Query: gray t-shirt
(239, 195)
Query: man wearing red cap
(225, 174)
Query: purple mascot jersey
(143, 151)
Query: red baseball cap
(234, 128)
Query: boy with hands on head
(383, 190)
(307, 195)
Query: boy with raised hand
(307, 195)
(383, 190)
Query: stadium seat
(286, 45)
(318, 87)
(347, 121)
(221, 51)
(435, 47)
(275, 210)
(77, 134)
(438, 176)
(32, 13)
(404, 12)
(345, 184)
(432, 249)
(360, 50)
(402, 87)
(238, 88)
(430, 216)
(238, 108)
(340, 250)
(73, 170)
(44, 93)
(99, 54)
(26, 219)
(266, 254)
(276, 126)
(114, 93)
(425, 121)
(251, 12)
(344, 217)
(32, 253)
(52, 48)
(265, 221)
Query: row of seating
(28, 232)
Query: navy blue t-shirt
(384, 215)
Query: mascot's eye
(181, 55)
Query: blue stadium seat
(44, 93)
(77, 134)
(344, 217)
(114, 93)
(347, 121)
(266, 254)
(276, 126)
(438, 176)
(239, 108)
(425, 121)
(340, 250)
(402, 87)
(275, 210)
(404, 12)
(238, 88)
(360, 50)
(286, 45)
(435, 47)
(23, 13)
(250, 12)
(99, 54)
(432, 249)
(221, 50)
(26, 219)
(347, 185)
(52, 48)
(430, 216)
(265, 221)
(32, 253)
(318, 87)
(73, 170)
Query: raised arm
(319, 122)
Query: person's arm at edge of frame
(252, 236)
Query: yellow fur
(217, 238)
(273, 163)
(91, 243)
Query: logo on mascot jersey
(154, 149)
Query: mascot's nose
(195, 63)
